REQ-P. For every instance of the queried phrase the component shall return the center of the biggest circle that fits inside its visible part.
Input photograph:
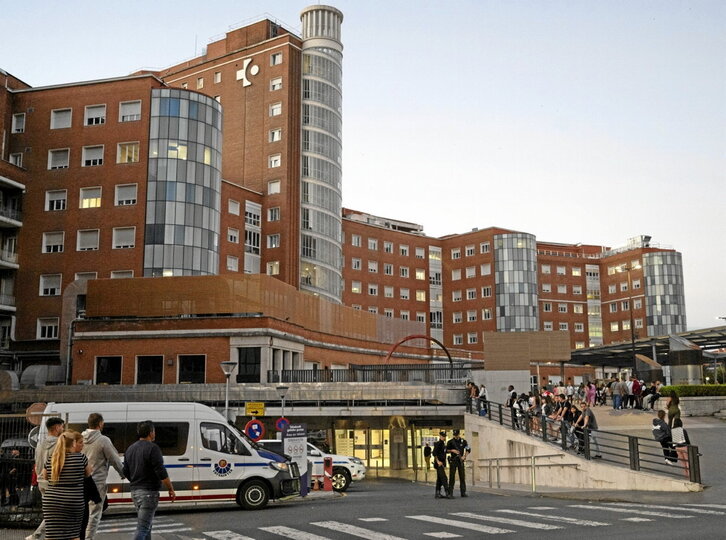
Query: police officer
(458, 449)
(439, 453)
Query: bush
(694, 390)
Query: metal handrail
(533, 465)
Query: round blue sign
(255, 430)
(282, 423)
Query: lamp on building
(282, 390)
(228, 367)
(628, 269)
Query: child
(680, 442)
(662, 434)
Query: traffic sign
(281, 423)
(33, 436)
(254, 408)
(255, 430)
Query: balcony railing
(8, 256)
(11, 213)
(7, 300)
(427, 374)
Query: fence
(426, 374)
(636, 453)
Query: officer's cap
(442, 433)
(456, 432)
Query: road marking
(226, 535)
(680, 509)
(542, 508)
(360, 532)
(134, 521)
(442, 535)
(550, 517)
(636, 519)
(507, 521)
(171, 527)
(287, 532)
(372, 519)
(722, 506)
(461, 524)
(630, 511)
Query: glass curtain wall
(515, 263)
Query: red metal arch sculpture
(418, 336)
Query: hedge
(694, 390)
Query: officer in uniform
(439, 453)
(458, 449)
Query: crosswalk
(446, 525)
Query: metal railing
(636, 453)
(531, 463)
(425, 374)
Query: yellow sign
(254, 408)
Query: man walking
(458, 450)
(439, 453)
(100, 453)
(54, 427)
(589, 425)
(144, 468)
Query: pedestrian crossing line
(704, 505)
(226, 535)
(295, 534)
(542, 508)
(630, 511)
(678, 509)
(507, 521)
(551, 517)
(133, 521)
(636, 519)
(372, 519)
(156, 528)
(353, 530)
(442, 534)
(461, 524)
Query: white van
(208, 460)
(346, 469)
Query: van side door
(222, 463)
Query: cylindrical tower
(515, 264)
(321, 229)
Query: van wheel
(340, 479)
(253, 495)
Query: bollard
(328, 473)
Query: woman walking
(63, 500)
(674, 410)
(680, 441)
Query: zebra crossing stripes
(161, 525)
(462, 524)
(508, 521)
(721, 506)
(442, 534)
(630, 511)
(294, 534)
(227, 535)
(680, 509)
(353, 530)
(558, 518)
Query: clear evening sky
(577, 121)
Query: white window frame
(273, 187)
(273, 268)
(88, 151)
(469, 251)
(232, 263)
(275, 84)
(274, 161)
(484, 247)
(80, 234)
(273, 214)
(404, 293)
(356, 287)
(56, 204)
(217, 77)
(47, 328)
(55, 118)
(96, 119)
(456, 274)
(388, 291)
(128, 200)
(275, 109)
(273, 241)
(57, 151)
(16, 158)
(122, 274)
(232, 235)
(56, 248)
(50, 284)
(275, 135)
(18, 123)
(128, 152)
(131, 115)
(276, 59)
(92, 202)
(456, 253)
(119, 243)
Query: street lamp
(628, 269)
(228, 366)
(282, 390)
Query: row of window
(613, 288)
(51, 284)
(88, 240)
(191, 369)
(275, 60)
(388, 247)
(388, 292)
(470, 250)
(623, 267)
(94, 115)
(90, 197)
(625, 305)
(91, 156)
(403, 314)
(471, 294)
(561, 270)
(471, 338)
(562, 308)
(470, 271)
(471, 315)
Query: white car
(346, 469)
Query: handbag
(90, 491)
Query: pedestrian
(458, 450)
(673, 408)
(439, 453)
(63, 500)
(100, 453)
(474, 398)
(589, 426)
(590, 392)
(681, 442)
(427, 455)
(483, 399)
(145, 471)
(54, 426)
(662, 434)
(468, 396)
(511, 402)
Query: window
(388, 312)
(576, 271)
(486, 314)
(578, 308)
(562, 289)
(546, 269)
(456, 274)
(577, 289)
(435, 278)
(638, 323)
(388, 291)
(355, 263)
(58, 159)
(273, 187)
(471, 294)
(457, 317)
(355, 287)
(18, 125)
(579, 327)
(95, 115)
(55, 200)
(274, 161)
(192, 368)
(90, 197)
(546, 288)
(372, 289)
(484, 247)
(456, 296)
(50, 285)
(232, 263)
(92, 156)
(636, 284)
(47, 328)
(122, 274)
(420, 296)
(372, 309)
(185, 85)
(85, 276)
(108, 369)
(614, 326)
(355, 240)
(124, 237)
(471, 315)
(613, 308)
(547, 325)
(273, 268)
(564, 326)
(373, 244)
(456, 253)
(87, 240)
(547, 307)
(404, 293)
(471, 338)
(486, 269)
(16, 159)
(276, 84)
(60, 118)
(561, 271)
(624, 286)
(612, 289)
(149, 369)
(458, 339)
(562, 308)
(127, 152)
(129, 111)
(420, 253)
(373, 267)
(233, 235)
(470, 271)
(276, 59)
(273, 214)
(53, 242)
(217, 77)
(420, 273)
(273, 241)
(625, 305)
(125, 194)
(579, 344)
(200, 82)
(405, 315)
(486, 292)
(403, 250)
(252, 242)
(388, 247)
(469, 251)
(233, 207)
(638, 303)
(276, 109)
(275, 135)
(420, 316)
(388, 269)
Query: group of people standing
(476, 398)
(72, 469)
(455, 451)
(671, 435)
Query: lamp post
(282, 390)
(228, 367)
(628, 269)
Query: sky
(583, 121)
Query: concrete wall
(698, 406)
(490, 440)
(497, 383)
